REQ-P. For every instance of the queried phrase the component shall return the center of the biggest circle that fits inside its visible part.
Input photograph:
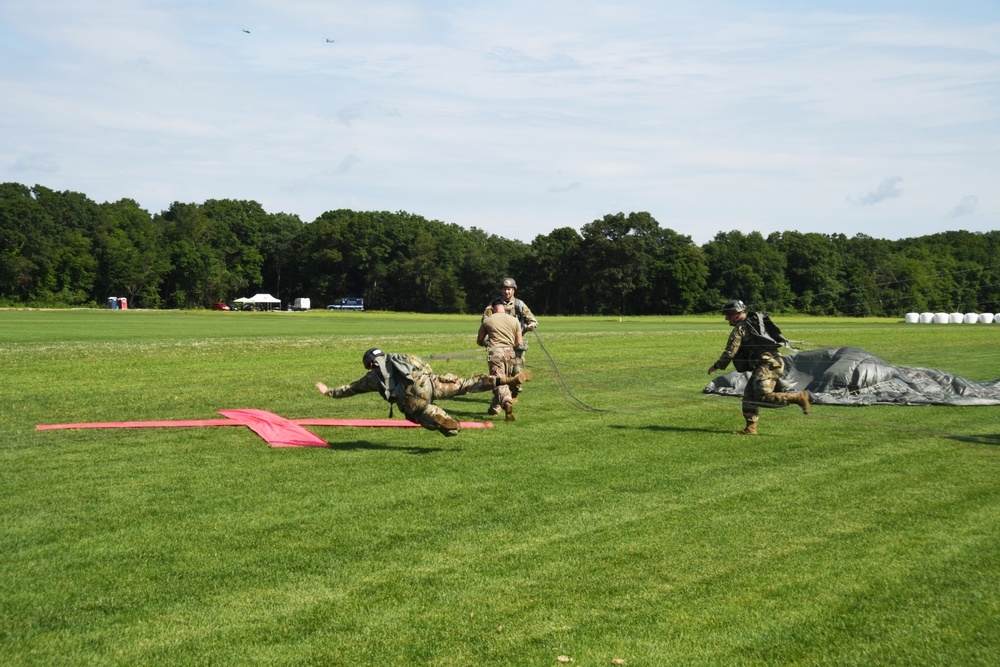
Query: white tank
(926, 318)
(971, 318)
(957, 318)
(986, 318)
(912, 318)
(941, 318)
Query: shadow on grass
(669, 429)
(469, 408)
(977, 439)
(364, 444)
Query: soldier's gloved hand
(712, 369)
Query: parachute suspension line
(563, 386)
(463, 354)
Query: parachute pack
(765, 336)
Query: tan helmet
(509, 282)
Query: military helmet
(370, 355)
(509, 282)
(733, 307)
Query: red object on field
(276, 430)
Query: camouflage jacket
(520, 310)
(749, 344)
(390, 376)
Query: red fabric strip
(276, 430)
(203, 422)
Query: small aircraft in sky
(329, 41)
(246, 31)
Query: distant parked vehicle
(348, 303)
(301, 304)
(218, 305)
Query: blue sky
(878, 117)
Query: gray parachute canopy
(849, 376)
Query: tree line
(63, 249)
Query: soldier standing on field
(519, 310)
(501, 334)
(407, 381)
(753, 346)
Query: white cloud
(348, 162)
(711, 116)
(35, 163)
(887, 189)
(555, 189)
(966, 207)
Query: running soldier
(753, 346)
(407, 382)
(500, 334)
(520, 310)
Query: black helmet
(733, 307)
(370, 355)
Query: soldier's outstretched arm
(359, 386)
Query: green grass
(643, 530)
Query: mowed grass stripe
(646, 532)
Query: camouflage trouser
(502, 364)
(763, 382)
(418, 404)
(516, 368)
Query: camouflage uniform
(501, 329)
(408, 382)
(520, 310)
(750, 351)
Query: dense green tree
(46, 245)
(279, 247)
(488, 259)
(198, 275)
(238, 233)
(131, 253)
(964, 268)
(21, 219)
(344, 253)
(551, 276)
(60, 248)
(616, 256)
(679, 271)
(750, 268)
(864, 278)
(815, 270)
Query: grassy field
(618, 519)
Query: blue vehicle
(348, 303)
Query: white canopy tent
(261, 301)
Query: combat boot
(447, 424)
(801, 399)
(509, 409)
(521, 377)
(751, 429)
